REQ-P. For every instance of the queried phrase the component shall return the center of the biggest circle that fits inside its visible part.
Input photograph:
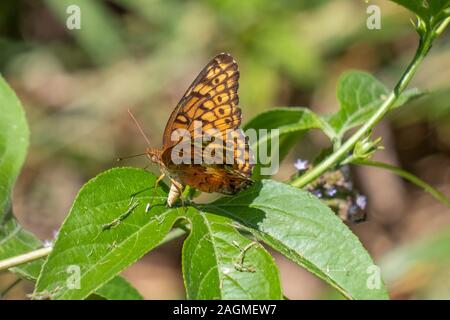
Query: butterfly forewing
(212, 99)
(211, 102)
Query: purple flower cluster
(337, 190)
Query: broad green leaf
(21, 241)
(118, 289)
(14, 240)
(220, 263)
(292, 123)
(420, 268)
(430, 11)
(360, 95)
(107, 229)
(14, 137)
(306, 231)
(100, 253)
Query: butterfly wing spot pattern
(212, 99)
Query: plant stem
(344, 149)
(43, 252)
(174, 234)
(442, 27)
(24, 258)
(408, 176)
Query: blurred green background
(76, 86)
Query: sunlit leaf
(106, 230)
(301, 227)
(13, 148)
(360, 95)
(13, 143)
(291, 124)
(220, 263)
(14, 240)
(430, 11)
(118, 289)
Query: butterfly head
(154, 155)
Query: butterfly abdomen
(174, 192)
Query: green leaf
(23, 242)
(305, 230)
(220, 263)
(102, 235)
(360, 95)
(14, 240)
(292, 123)
(430, 11)
(107, 229)
(118, 289)
(14, 137)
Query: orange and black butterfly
(211, 100)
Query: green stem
(24, 258)
(344, 149)
(442, 27)
(408, 176)
(43, 252)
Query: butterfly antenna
(132, 156)
(139, 127)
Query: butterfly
(211, 101)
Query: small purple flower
(318, 193)
(331, 192)
(301, 165)
(361, 201)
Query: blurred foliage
(144, 49)
(77, 84)
(421, 269)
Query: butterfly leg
(149, 205)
